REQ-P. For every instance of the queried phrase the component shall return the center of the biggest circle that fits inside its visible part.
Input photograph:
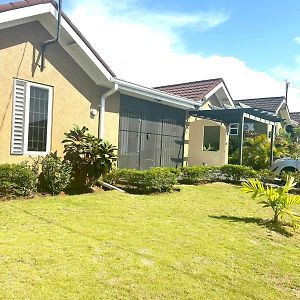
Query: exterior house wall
(196, 155)
(74, 93)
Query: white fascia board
(22, 15)
(81, 44)
(155, 95)
(37, 13)
(221, 85)
(279, 107)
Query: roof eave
(41, 13)
(155, 95)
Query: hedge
(17, 180)
(155, 180)
(197, 174)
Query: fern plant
(278, 199)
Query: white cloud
(297, 39)
(145, 47)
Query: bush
(197, 174)
(234, 173)
(55, 175)
(155, 180)
(17, 180)
(89, 156)
(267, 176)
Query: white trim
(155, 95)
(235, 128)
(41, 13)
(49, 123)
(22, 15)
(214, 90)
(279, 107)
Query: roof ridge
(189, 82)
(262, 98)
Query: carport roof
(235, 115)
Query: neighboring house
(276, 105)
(41, 99)
(295, 116)
(207, 139)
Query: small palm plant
(278, 199)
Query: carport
(238, 115)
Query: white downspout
(102, 110)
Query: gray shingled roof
(195, 90)
(269, 104)
(295, 116)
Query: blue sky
(251, 44)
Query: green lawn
(205, 242)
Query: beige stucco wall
(196, 155)
(74, 92)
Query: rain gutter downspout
(52, 41)
(102, 110)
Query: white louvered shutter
(18, 122)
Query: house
(52, 78)
(295, 116)
(207, 139)
(276, 105)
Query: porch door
(151, 134)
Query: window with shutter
(31, 126)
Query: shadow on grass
(276, 227)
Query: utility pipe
(102, 110)
(55, 40)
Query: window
(211, 139)
(31, 118)
(234, 129)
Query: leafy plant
(155, 180)
(55, 175)
(89, 156)
(197, 174)
(234, 173)
(17, 180)
(278, 199)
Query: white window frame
(26, 125)
(234, 128)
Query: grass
(205, 242)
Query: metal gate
(150, 134)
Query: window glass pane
(211, 139)
(234, 129)
(38, 119)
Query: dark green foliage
(198, 174)
(17, 180)
(89, 156)
(55, 175)
(267, 176)
(155, 180)
(235, 173)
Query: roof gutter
(52, 41)
(157, 96)
(102, 103)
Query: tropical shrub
(55, 175)
(267, 176)
(234, 173)
(278, 199)
(197, 174)
(155, 180)
(89, 156)
(17, 180)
